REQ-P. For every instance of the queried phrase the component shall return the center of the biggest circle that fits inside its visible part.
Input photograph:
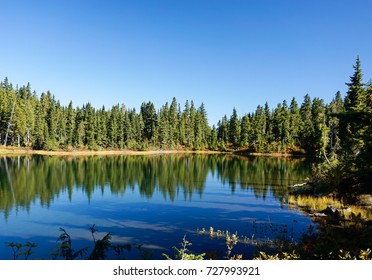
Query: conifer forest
(339, 128)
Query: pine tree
(80, 128)
(295, 124)
(307, 129)
(9, 104)
(321, 130)
(163, 121)
(70, 124)
(259, 130)
(90, 126)
(188, 117)
(277, 126)
(223, 130)
(40, 132)
(335, 107)
(234, 129)
(213, 139)
(113, 127)
(286, 118)
(127, 118)
(19, 121)
(351, 131)
(149, 117)
(101, 125)
(269, 125)
(202, 128)
(246, 131)
(356, 97)
(173, 124)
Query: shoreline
(14, 151)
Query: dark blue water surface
(149, 200)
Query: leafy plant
(279, 256)
(183, 252)
(65, 249)
(100, 249)
(363, 255)
(16, 248)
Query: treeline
(27, 120)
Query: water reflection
(149, 200)
(23, 180)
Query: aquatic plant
(183, 252)
(21, 249)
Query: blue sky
(227, 54)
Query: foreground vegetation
(330, 241)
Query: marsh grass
(320, 203)
(312, 202)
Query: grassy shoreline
(15, 151)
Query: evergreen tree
(149, 117)
(80, 128)
(140, 125)
(173, 123)
(335, 107)
(8, 107)
(202, 128)
(259, 130)
(128, 120)
(351, 132)
(163, 121)
(269, 125)
(307, 129)
(223, 130)
(234, 129)
(356, 97)
(321, 130)
(277, 126)
(20, 121)
(40, 131)
(213, 139)
(295, 124)
(246, 131)
(90, 126)
(286, 118)
(113, 127)
(188, 117)
(70, 124)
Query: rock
(331, 211)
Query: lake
(150, 200)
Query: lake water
(150, 200)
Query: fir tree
(234, 129)
(307, 129)
(295, 124)
(70, 124)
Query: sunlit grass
(313, 203)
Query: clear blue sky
(227, 54)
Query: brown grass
(12, 151)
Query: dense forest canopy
(341, 127)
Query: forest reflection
(24, 180)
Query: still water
(149, 200)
